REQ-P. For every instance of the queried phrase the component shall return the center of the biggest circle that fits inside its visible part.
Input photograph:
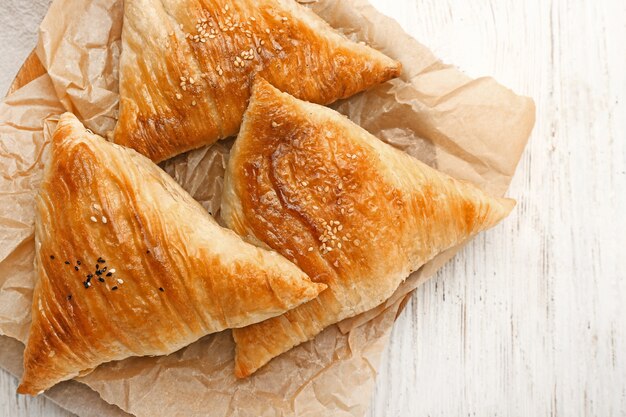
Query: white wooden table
(530, 319)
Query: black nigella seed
(77, 262)
(113, 288)
(104, 269)
(101, 279)
(109, 274)
(101, 261)
(87, 284)
(69, 297)
(67, 262)
(161, 289)
(98, 272)
(51, 256)
(148, 251)
(89, 276)
(76, 268)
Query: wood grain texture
(529, 319)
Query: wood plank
(529, 319)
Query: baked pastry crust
(129, 264)
(350, 210)
(187, 66)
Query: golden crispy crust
(130, 265)
(187, 67)
(349, 210)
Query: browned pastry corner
(129, 264)
(187, 66)
(351, 211)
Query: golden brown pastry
(187, 66)
(351, 211)
(130, 265)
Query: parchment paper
(472, 129)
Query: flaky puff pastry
(187, 66)
(129, 264)
(351, 211)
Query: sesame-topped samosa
(352, 211)
(129, 264)
(187, 66)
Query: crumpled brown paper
(472, 129)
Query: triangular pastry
(186, 67)
(129, 264)
(351, 211)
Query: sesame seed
(112, 270)
(226, 7)
(97, 206)
(310, 249)
(193, 103)
(267, 30)
(336, 264)
(120, 281)
(275, 125)
(284, 19)
(93, 219)
(191, 80)
(357, 242)
(104, 220)
(179, 96)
